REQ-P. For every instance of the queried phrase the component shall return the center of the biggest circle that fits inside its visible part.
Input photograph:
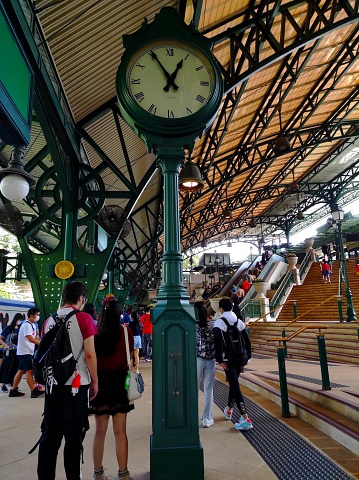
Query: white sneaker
(100, 477)
(228, 412)
(206, 423)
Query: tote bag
(134, 381)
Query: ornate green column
(175, 451)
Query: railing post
(294, 308)
(323, 361)
(283, 382)
(284, 343)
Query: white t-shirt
(24, 347)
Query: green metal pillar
(323, 361)
(283, 381)
(351, 317)
(175, 450)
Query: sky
(239, 251)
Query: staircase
(334, 412)
(314, 291)
(341, 339)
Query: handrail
(294, 334)
(304, 265)
(281, 291)
(315, 306)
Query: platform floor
(228, 454)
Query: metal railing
(282, 291)
(281, 353)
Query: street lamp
(210, 271)
(338, 217)
(217, 261)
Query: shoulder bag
(134, 381)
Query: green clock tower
(169, 90)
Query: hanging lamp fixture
(252, 222)
(227, 213)
(281, 144)
(294, 187)
(15, 181)
(300, 214)
(190, 179)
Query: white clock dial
(170, 81)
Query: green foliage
(187, 264)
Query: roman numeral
(189, 112)
(204, 84)
(201, 99)
(139, 97)
(169, 52)
(152, 109)
(135, 81)
(199, 68)
(139, 65)
(186, 56)
(170, 114)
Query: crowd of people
(98, 344)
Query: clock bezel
(170, 44)
(131, 110)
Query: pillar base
(165, 462)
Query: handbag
(134, 381)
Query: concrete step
(335, 413)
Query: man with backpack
(233, 350)
(66, 402)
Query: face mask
(37, 318)
(19, 322)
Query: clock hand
(170, 80)
(167, 75)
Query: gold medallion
(64, 269)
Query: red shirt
(325, 267)
(119, 358)
(145, 319)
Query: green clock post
(169, 90)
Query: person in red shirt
(326, 271)
(246, 285)
(146, 334)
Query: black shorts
(25, 362)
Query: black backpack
(237, 345)
(54, 362)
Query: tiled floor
(227, 454)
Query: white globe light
(14, 187)
(104, 276)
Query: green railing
(281, 291)
(304, 265)
(251, 308)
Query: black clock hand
(170, 80)
(167, 75)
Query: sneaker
(243, 424)
(207, 423)
(4, 389)
(100, 477)
(40, 387)
(228, 412)
(37, 393)
(14, 392)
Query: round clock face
(170, 80)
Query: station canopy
(283, 147)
